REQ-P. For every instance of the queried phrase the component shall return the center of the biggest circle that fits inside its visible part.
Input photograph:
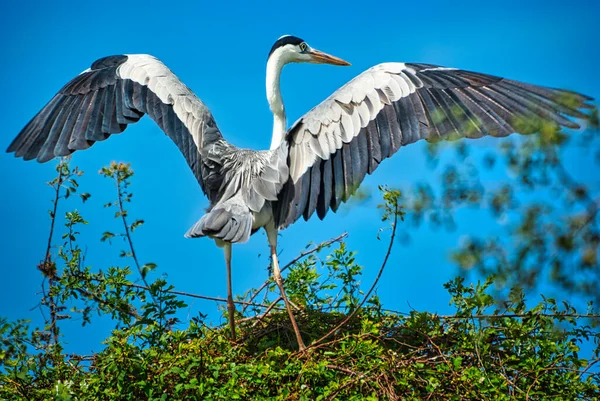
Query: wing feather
(374, 144)
(103, 100)
(31, 142)
(315, 189)
(94, 129)
(347, 171)
(47, 151)
(327, 184)
(333, 146)
(338, 183)
(61, 147)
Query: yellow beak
(320, 57)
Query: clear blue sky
(219, 49)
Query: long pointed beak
(320, 57)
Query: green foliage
(514, 352)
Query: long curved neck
(274, 66)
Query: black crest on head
(285, 40)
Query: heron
(314, 165)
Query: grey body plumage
(313, 166)
(244, 184)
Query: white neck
(274, 66)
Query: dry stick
(296, 259)
(359, 306)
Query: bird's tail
(230, 221)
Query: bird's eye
(303, 47)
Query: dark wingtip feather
(14, 145)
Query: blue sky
(219, 50)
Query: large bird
(313, 166)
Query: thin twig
(368, 294)
(131, 312)
(317, 248)
(53, 217)
(127, 233)
(182, 293)
(188, 294)
(296, 259)
(158, 305)
(584, 371)
(47, 263)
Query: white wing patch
(338, 120)
(151, 72)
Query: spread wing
(333, 146)
(115, 92)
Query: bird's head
(291, 49)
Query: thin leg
(279, 281)
(230, 304)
